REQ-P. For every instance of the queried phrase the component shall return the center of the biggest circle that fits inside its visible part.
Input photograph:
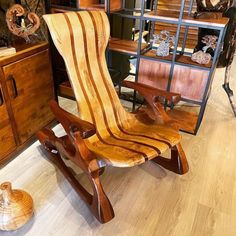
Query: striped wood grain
(121, 140)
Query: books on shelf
(7, 51)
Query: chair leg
(178, 162)
(228, 90)
(98, 203)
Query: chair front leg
(98, 203)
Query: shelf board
(135, 13)
(93, 7)
(65, 90)
(63, 8)
(125, 46)
(152, 54)
(208, 20)
(186, 120)
(181, 59)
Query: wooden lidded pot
(16, 207)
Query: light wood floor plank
(147, 199)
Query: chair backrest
(81, 38)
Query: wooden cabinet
(26, 89)
(7, 140)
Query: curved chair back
(81, 38)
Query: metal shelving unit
(178, 58)
(178, 63)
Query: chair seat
(133, 145)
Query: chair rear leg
(98, 203)
(178, 162)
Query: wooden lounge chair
(104, 134)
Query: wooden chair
(105, 134)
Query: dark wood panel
(154, 73)
(189, 82)
(191, 37)
(174, 6)
(115, 5)
(30, 87)
(65, 90)
(7, 141)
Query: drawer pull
(13, 84)
(1, 97)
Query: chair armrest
(146, 91)
(151, 95)
(71, 123)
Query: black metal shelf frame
(143, 17)
(173, 62)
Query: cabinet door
(7, 141)
(30, 87)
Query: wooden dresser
(26, 87)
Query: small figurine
(165, 40)
(210, 41)
(21, 29)
(201, 57)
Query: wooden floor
(147, 199)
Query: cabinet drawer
(30, 87)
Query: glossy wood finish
(16, 207)
(154, 73)
(174, 6)
(65, 90)
(172, 98)
(179, 58)
(27, 87)
(26, 82)
(23, 51)
(105, 134)
(187, 120)
(154, 98)
(126, 46)
(6, 132)
(215, 20)
(189, 82)
(115, 5)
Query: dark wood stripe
(96, 89)
(84, 92)
(109, 92)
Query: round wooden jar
(16, 207)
